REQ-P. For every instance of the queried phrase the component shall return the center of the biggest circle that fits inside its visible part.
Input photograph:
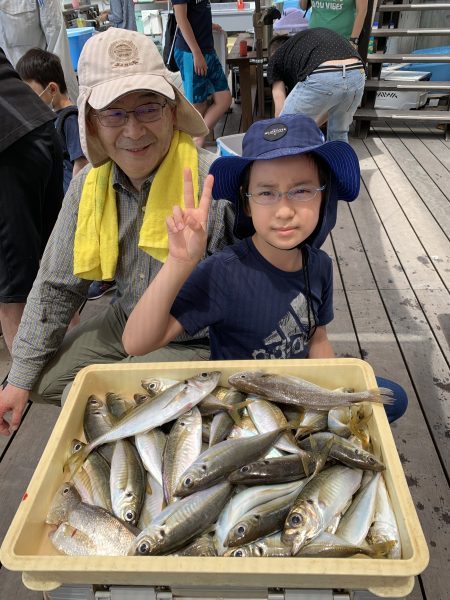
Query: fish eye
(188, 482)
(152, 386)
(295, 519)
(144, 548)
(371, 460)
(204, 374)
(129, 516)
(240, 530)
(66, 490)
(128, 494)
(77, 447)
(238, 553)
(204, 468)
(309, 501)
(245, 469)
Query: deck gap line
(425, 144)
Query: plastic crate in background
(78, 36)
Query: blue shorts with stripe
(198, 88)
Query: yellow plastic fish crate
(27, 547)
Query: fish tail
(381, 396)
(358, 426)
(380, 549)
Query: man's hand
(200, 66)
(12, 399)
(216, 27)
(187, 228)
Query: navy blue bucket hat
(289, 135)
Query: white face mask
(51, 101)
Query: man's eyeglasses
(116, 117)
(300, 193)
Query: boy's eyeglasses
(297, 194)
(116, 117)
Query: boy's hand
(187, 228)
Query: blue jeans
(398, 408)
(336, 93)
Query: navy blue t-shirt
(200, 18)
(71, 147)
(253, 309)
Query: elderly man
(135, 128)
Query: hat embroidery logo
(275, 132)
(123, 53)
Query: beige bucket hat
(117, 62)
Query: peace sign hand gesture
(187, 228)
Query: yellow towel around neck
(96, 245)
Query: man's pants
(99, 340)
(337, 93)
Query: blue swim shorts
(197, 89)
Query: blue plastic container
(439, 71)
(78, 36)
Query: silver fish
(243, 502)
(118, 405)
(293, 390)
(98, 421)
(247, 429)
(150, 446)
(201, 546)
(92, 479)
(385, 527)
(111, 536)
(65, 499)
(339, 419)
(153, 502)
(183, 446)
(191, 516)
(219, 460)
(268, 417)
(267, 546)
(345, 451)
(156, 385)
(328, 545)
(167, 406)
(127, 482)
(262, 520)
(311, 422)
(356, 522)
(72, 542)
(320, 500)
(279, 469)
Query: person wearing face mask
(136, 129)
(43, 72)
(31, 191)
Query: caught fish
(293, 390)
(345, 451)
(356, 522)
(118, 405)
(219, 460)
(150, 446)
(267, 546)
(222, 423)
(311, 422)
(92, 479)
(65, 499)
(111, 536)
(98, 421)
(263, 520)
(268, 417)
(201, 546)
(183, 446)
(156, 385)
(339, 420)
(190, 517)
(153, 502)
(169, 405)
(243, 502)
(279, 469)
(384, 527)
(247, 429)
(72, 542)
(324, 496)
(127, 482)
(328, 545)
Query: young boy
(43, 72)
(270, 295)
